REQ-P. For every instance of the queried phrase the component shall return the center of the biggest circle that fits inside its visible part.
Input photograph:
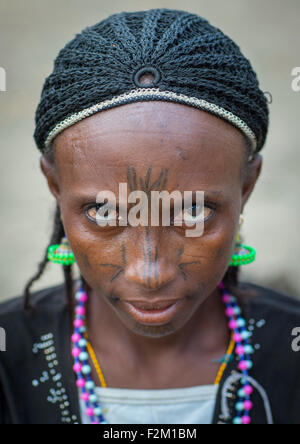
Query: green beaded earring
(243, 254)
(61, 253)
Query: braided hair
(58, 233)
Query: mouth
(155, 312)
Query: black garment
(37, 382)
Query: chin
(153, 331)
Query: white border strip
(153, 94)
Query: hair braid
(57, 235)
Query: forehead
(193, 145)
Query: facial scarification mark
(86, 261)
(182, 265)
(119, 269)
(150, 255)
(180, 252)
(145, 184)
(186, 264)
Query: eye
(102, 213)
(193, 215)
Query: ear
(250, 178)
(49, 171)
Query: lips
(151, 306)
(153, 313)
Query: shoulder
(271, 301)
(24, 328)
(274, 321)
(43, 301)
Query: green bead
(243, 259)
(60, 258)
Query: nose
(151, 272)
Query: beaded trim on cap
(153, 94)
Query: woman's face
(151, 146)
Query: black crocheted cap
(185, 59)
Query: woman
(158, 328)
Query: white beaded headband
(153, 94)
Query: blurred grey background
(31, 34)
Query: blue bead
(239, 406)
(82, 329)
(237, 420)
(93, 398)
(249, 349)
(241, 393)
(241, 322)
(250, 364)
(246, 334)
(84, 356)
(98, 411)
(78, 295)
(82, 343)
(86, 369)
(237, 310)
(90, 385)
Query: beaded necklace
(221, 371)
(82, 349)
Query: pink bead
(226, 298)
(246, 420)
(243, 365)
(80, 383)
(76, 352)
(229, 311)
(90, 411)
(77, 368)
(78, 323)
(232, 324)
(240, 350)
(248, 405)
(83, 297)
(80, 311)
(76, 337)
(85, 396)
(237, 337)
(95, 422)
(248, 389)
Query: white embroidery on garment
(227, 387)
(57, 393)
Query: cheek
(214, 251)
(97, 258)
